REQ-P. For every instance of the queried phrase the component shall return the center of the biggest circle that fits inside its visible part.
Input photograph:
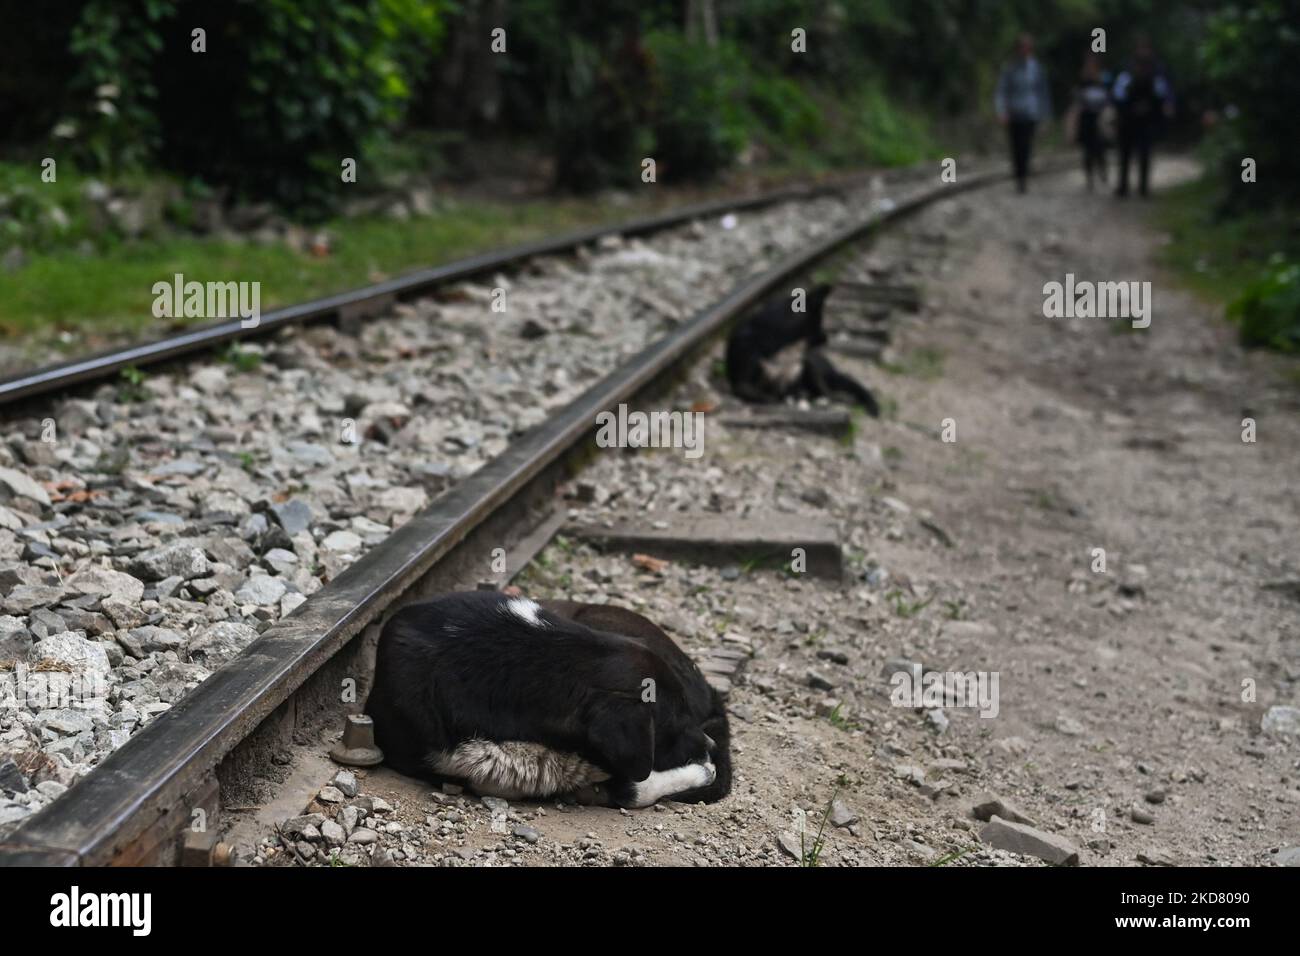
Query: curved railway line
(138, 805)
(374, 299)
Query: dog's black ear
(622, 733)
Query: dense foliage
(287, 88)
(1249, 55)
(1250, 52)
(1268, 312)
(279, 93)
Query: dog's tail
(822, 378)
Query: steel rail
(138, 785)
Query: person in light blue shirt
(1021, 101)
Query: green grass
(954, 855)
(109, 290)
(113, 291)
(1249, 261)
(811, 127)
(811, 853)
(874, 125)
(132, 388)
(28, 218)
(1219, 257)
(850, 437)
(839, 721)
(766, 561)
(242, 360)
(906, 608)
(925, 362)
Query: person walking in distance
(1143, 98)
(1022, 101)
(1091, 111)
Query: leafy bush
(784, 109)
(1249, 55)
(37, 64)
(284, 91)
(596, 125)
(876, 129)
(698, 120)
(114, 125)
(1268, 311)
(40, 217)
(577, 76)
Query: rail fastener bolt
(204, 849)
(357, 748)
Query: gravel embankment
(1147, 714)
(149, 532)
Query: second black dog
(776, 330)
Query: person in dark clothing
(1091, 111)
(1022, 146)
(1143, 98)
(1021, 102)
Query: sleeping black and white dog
(522, 700)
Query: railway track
(140, 804)
(374, 300)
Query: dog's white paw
(708, 774)
(665, 783)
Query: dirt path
(1073, 435)
(1117, 690)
